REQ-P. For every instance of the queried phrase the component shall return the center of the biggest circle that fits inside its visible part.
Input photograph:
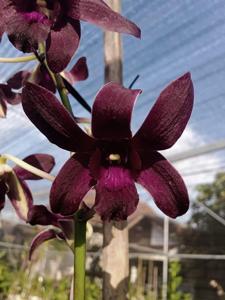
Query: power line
(219, 145)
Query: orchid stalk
(79, 225)
(79, 258)
(58, 81)
(63, 93)
(17, 59)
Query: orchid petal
(40, 215)
(44, 162)
(168, 117)
(8, 95)
(116, 194)
(40, 238)
(61, 44)
(17, 80)
(99, 13)
(164, 183)
(71, 185)
(53, 120)
(19, 195)
(42, 78)
(79, 71)
(111, 114)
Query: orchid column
(115, 248)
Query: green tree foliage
(93, 291)
(204, 234)
(6, 278)
(15, 280)
(175, 282)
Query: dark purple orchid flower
(12, 183)
(30, 22)
(112, 160)
(9, 91)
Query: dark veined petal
(3, 108)
(53, 120)
(111, 113)
(71, 185)
(164, 183)
(61, 45)
(42, 237)
(19, 195)
(99, 13)
(168, 117)
(40, 215)
(79, 71)
(44, 162)
(116, 194)
(17, 80)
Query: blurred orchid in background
(10, 91)
(41, 215)
(13, 182)
(62, 227)
(31, 22)
(112, 160)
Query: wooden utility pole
(166, 258)
(115, 256)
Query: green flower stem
(63, 92)
(41, 48)
(58, 81)
(79, 225)
(79, 258)
(27, 167)
(17, 59)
